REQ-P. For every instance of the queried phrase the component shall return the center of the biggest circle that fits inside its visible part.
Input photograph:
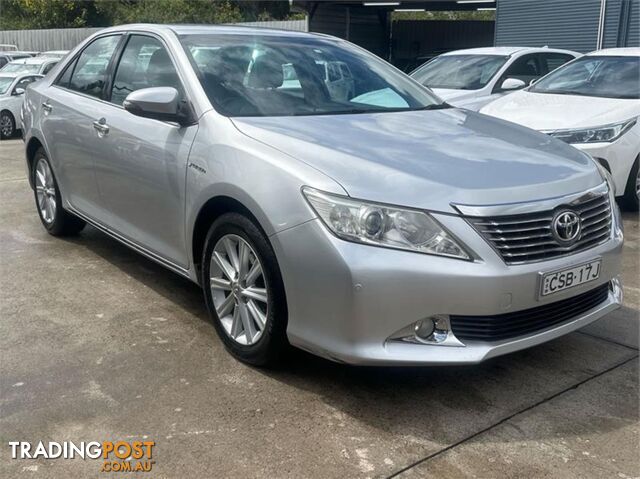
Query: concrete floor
(98, 343)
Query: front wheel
(243, 290)
(7, 125)
(56, 220)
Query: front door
(142, 181)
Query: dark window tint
(63, 80)
(25, 82)
(48, 68)
(145, 63)
(90, 73)
(525, 68)
(3, 61)
(551, 61)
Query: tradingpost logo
(116, 456)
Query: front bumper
(347, 300)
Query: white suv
(472, 78)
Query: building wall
(569, 24)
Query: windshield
(459, 72)
(605, 76)
(5, 83)
(253, 75)
(20, 68)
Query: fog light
(425, 328)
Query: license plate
(569, 278)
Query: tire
(630, 199)
(7, 125)
(252, 330)
(56, 220)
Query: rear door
(142, 180)
(69, 108)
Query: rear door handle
(101, 127)
(46, 107)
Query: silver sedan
(378, 227)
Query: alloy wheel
(238, 289)
(6, 126)
(45, 191)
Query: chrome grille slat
(528, 238)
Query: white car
(472, 78)
(593, 103)
(12, 88)
(38, 65)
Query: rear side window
(551, 61)
(145, 63)
(90, 72)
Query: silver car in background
(383, 227)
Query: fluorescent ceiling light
(476, 1)
(410, 10)
(381, 4)
(480, 9)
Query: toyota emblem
(566, 227)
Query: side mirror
(18, 91)
(512, 84)
(158, 103)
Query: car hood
(429, 159)
(545, 111)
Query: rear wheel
(7, 125)
(631, 198)
(244, 291)
(56, 220)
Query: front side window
(525, 68)
(599, 76)
(24, 83)
(145, 63)
(90, 72)
(459, 72)
(254, 75)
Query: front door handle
(101, 127)
(47, 107)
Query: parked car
(7, 47)
(593, 103)
(12, 88)
(368, 232)
(6, 57)
(472, 78)
(38, 65)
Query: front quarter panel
(225, 162)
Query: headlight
(382, 225)
(599, 134)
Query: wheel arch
(212, 209)
(33, 145)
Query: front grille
(525, 238)
(519, 323)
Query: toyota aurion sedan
(380, 227)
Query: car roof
(507, 51)
(210, 29)
(626, 52)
